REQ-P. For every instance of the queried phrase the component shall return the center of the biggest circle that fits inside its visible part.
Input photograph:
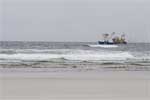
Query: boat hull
(100, 42)
(110, 43)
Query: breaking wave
(73, 55)
(65, 54)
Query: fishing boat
(110, 40)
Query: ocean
(73, 56)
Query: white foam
(104, 46)
(80, 55)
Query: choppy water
(74, 55)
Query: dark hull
(100, 42)
(110, 43)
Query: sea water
(73, 56)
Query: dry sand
(75, 86)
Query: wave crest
(68, 54)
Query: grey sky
(74, 20)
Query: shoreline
(54, 73)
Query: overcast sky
(73, 20)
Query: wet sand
(75, 86)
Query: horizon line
(55, 41)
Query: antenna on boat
(123, 35)
(105, 37)
(111, 35)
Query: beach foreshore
(119, 85)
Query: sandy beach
(75, 86)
